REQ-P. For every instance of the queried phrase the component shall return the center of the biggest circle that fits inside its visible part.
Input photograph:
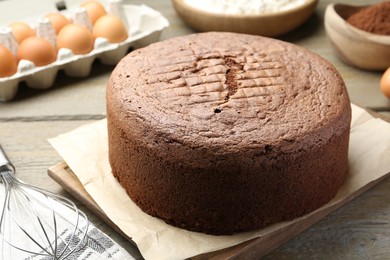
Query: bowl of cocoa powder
(360, 35)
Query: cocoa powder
(373, 19)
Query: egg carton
(146, 25)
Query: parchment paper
(85, 151)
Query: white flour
(244, 6)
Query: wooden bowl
(354, 46)
(272, 24)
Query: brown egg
(94, 10)
(58, 21)
(8, 63)
(385, 83)
(110, 27)
(37, 50)
(75, 37)
(21, 31)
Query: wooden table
(359, 230)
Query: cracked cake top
(230, 89)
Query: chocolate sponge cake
(222, 132)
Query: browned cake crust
(223, 133)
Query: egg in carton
(143, 26)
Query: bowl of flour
(260, 17)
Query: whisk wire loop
(7, 177)
(35, 222)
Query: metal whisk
(35, 223)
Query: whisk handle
(5, 163)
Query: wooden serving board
(252, 249)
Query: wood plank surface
(358, 230)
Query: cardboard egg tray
(146, 26)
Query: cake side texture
(223, 132)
